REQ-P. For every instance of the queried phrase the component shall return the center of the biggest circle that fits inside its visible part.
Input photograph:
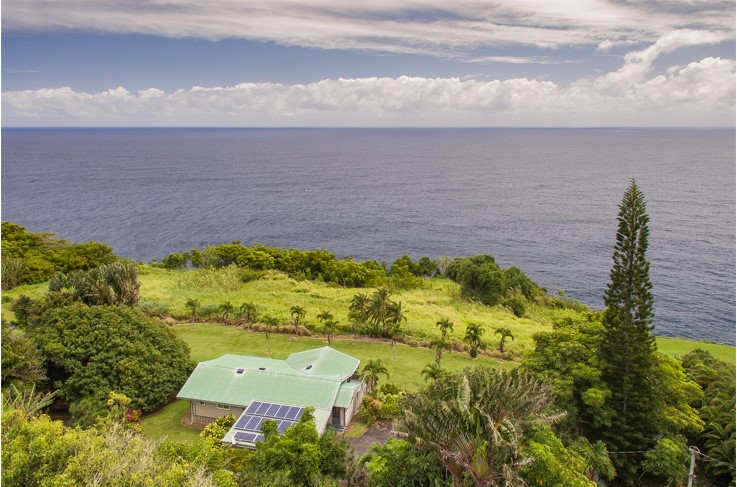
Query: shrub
(518, 305)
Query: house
(254, 389)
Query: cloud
(518, 60)
(699, 93)
(435, 27)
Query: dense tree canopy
(91, 351)
(29, 258)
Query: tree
(371, 373)
(398, 463)
(299, 457)
(432, 372)
(226, 308)
(473, 337)
(475, 421)
(269, 323)
(93, 350)
(110, 284)
(328, 329)
(358, 311)
(505, 333)
(193, 305)
(445, 326)
(442, 344)
(22, 363)
(248, 311)
(628, 347)
(298, 313)
(378, 310)
(396, 315)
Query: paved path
(376, 434)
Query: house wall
(355, 404)
(209, 412)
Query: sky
(374, 63)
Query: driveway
(376, 434)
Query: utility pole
(691, 475)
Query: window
(224, 406)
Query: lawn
(678, 347)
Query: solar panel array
(249, 424)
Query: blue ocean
(544, 200)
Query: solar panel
(282, 413)
(283, 425)
(294, 413)
(241, 424)
(248, 426)
(248, 437)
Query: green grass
(357, 429)
(275, 293)
(167, 423)
(678, 347)
(34, 291)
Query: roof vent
(239, 371)
(262, 368)
(308, 367)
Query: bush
(518, 305)
(91, 351)
(156, 309)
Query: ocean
(544, 200)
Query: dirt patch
(378, 433)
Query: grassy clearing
(167, 423)
(678, 347)
(275, 293)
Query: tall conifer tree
(628, 347)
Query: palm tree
(378, 310)
(432, 372)
(395, 317)
(328, 325)
(226, 308)
(505, 333)
(192, 304)
(358, 311)
(474, 421)
(440, 346)
(269, 322)
(473, 337)
(297, 312)
(328, 329)
(371, 373)
(445, 325)
(248, 312)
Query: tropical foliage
(34, 257)
(476, 421)
(90, 351)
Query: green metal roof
(264, 379)
(324, 361)
(345, 393)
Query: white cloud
(435, 27)
(518, 60)
(700, 93)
